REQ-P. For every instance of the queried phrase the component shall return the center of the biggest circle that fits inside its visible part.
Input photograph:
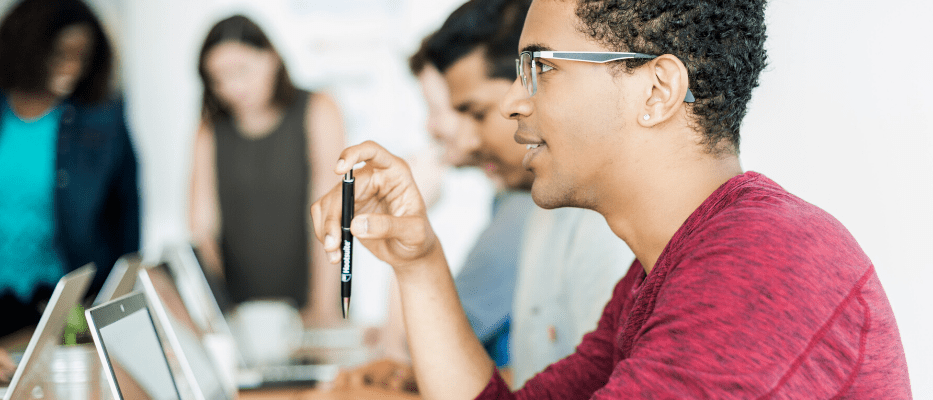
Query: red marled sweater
(758, 295)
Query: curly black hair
(27, 41)
(721, 42)
(493, 25)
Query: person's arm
(204, 210)
(391, 221)
(7, 367)
(326, 138)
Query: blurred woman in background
(264, 148)
(68, 173)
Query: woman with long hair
(263, 150)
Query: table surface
(325, 394)
(18, 341)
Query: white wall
(841, 118)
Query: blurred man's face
(476, 97)
(442, 120)
(242, 76)
(69, 59)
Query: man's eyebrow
(465, 106)
(533, 47)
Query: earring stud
(646, 117)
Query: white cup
(222, 350)
(75, 373)
(267, 331)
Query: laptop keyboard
(286, 375)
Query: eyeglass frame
(598, 57)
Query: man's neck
(655, 211)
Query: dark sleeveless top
(263, 193)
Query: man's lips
(534, 145)
(526, 139)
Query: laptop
(29, 381)
(130, 349)
(186, 340)
(196, 294)
(121, 280)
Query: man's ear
(669, 88)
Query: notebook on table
(129, 347)
(30, 379)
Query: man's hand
(385, 374)
(390, 216)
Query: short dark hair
(418, 61)
(239, 29)
(493, 25)
(27, 41)
(720, 42)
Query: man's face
(577, 117)
(476, 99)
(442, 120)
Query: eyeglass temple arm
(597, 57)
(602, 57)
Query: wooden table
(17, 342)
(324, 394)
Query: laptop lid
(129, 347)
(186, 339)
(121, 280)
(29, 380)
(195, 290)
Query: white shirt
(570, 262)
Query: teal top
(28, 255)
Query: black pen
(346, 270)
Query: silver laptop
(121, 280)
(135, 363)
(29, 381)
(184, 337)
(195, 291)
(202, 306)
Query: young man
(554, 305)
(740, 289)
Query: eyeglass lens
(529, 77)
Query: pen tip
(346, 307)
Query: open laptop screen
(184, 337)
(30, 379)
(130, 347)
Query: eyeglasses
(527, 68)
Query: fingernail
(334, 257)
(329, 241)
(341, 164)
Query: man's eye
(542, 67)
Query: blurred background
(841, 119)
